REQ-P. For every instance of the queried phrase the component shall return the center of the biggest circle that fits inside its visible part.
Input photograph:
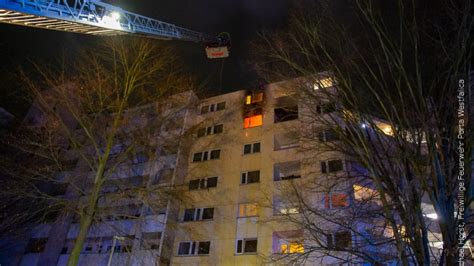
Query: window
(339, 240)
(250, 177)
(253, 121)
(212, 108)
(287, 170)
(194, 248)
(206, 131)
(164, 176)
(251, 148)
(331, 166)
(206, 155)
(36, 245)
(323, 83)
(283, 206)
(362, 193)
(285, 141)
(327, 136)
(288, 242)
(198, 214)
(150, 240)
(253, 97)
(325, 108)
(283, 114)
(203, 183)
(246, 246)
(248, 209)
(335, 200)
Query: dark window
(247, 148)
(194, 184)
(204, 247)
(250, 246)
(36, 245)
(239, 246)
(218, 129)
(286, 114)
(64, 250)
(253, 177)
(205, 155)
(189, 215)
(197, 157)
(323, 168)
(212, 108)
(209, 131)
(184, 248)
(251, 148)
(212, 182)
(326, 108)
(201, 132)
(215, 154)
(256, 147)
(221, 106)
(205, 109)
(208, 213)
(335, 166)
(342, 239)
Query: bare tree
(387, 84)
(87, 128)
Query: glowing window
(248, 209)
(336, 200)
(291, 247)
(253, 121)
(254, 98)
(323, 83)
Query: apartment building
(231, 173)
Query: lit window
(248, 209)
(253, 121)
(246, 246)
(323, 83)
(364, 193)
(283, 206)
(288, 242)
(336, 200)
(254, 98)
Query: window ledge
(244, 254)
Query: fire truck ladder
(97, 18)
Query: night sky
(241, 18)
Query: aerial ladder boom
(98, 18)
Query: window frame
(325, 166)
(246, 209)
(198, 214)
(252, 148)
(242, 243)
(328, 200)
(206, 155)
(193, 248)
(211, 130)
(203, 183)
(244, 177)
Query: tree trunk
(87, 216)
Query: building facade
(230, 160)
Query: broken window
(286, 109)
(253, 97)
(287, 170)
(286, 140)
